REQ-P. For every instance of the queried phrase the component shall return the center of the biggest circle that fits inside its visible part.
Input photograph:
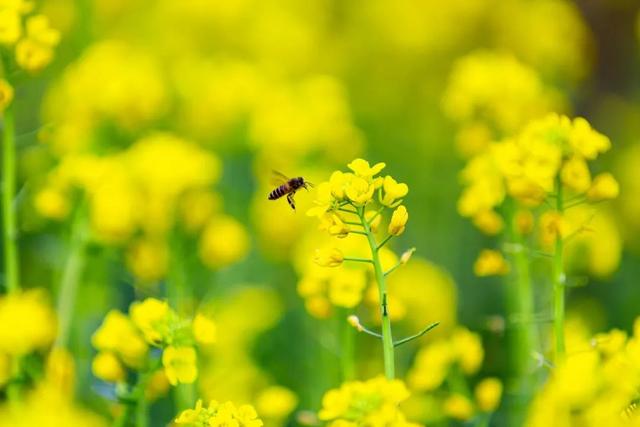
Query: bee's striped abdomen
(279, 192)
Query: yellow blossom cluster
(138, 195)
(366, 403)
(446, 362)
(492, 95)
(219, 414)
(123, 341)
(597, 384)
(28, 35)
(29, 323)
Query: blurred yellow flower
(346, 287)
(328, 258)
(490, 263)
(180, 364)
(6, 94)
(467, 349)
(52, 203)
(398, 221)
(10, 26)
(106, 366)
(276, 402)
(459, 407)
(488, 393)
(489, 222)
(35, 52)
(603, 187)
(148, 259)
(28, 323)
(119, 335)
(204, 330)
(575, 174)
(223, 242)
(586, 141)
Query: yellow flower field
(344, 214)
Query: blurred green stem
(387, 337)
(73, 268)
(347, 354)
(9, 227)
(180, 295)
(559, 279)
(522, 329)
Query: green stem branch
(387, 337)
(9, 222)
(559, 279)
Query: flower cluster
(159, 181)
(29, 35)
(493, 95)
(219, 414)
(124, 342)
(449, 360)
(596, 385)
(29, 323)
(547, 160)
(366, 403)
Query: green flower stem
(559, 279)
(384, 242)
(352, 259)
(347, 352)
(71, 275)
(416, 336)
(9, 222)
(180, 294)
(387, 337)
(135, 402)
(523, 341)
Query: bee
(288, 186)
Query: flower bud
(398, 221)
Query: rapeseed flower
(180, 364)
(371, 402)
(219, 414)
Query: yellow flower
(6, 94)
(10, 26)
(575, 174)
(224, 241)
(180, 364)
(328, 258)
(346, 287)
(604, 187)
(36, 50)
(359, 190)
(204, 330)
(398, 221)
(148, 259)
(488, 393)
(371, 402)
(431, 366)
(586, 141)
(5, 369)
(151, 316)
(276, 402)
(490, 263)
(362, 169)
(28, 323)
(157, 386)
(334, 225)
(118, 334)
(107, 367)
(467, 349)
(489, 222)
(393, 191)
(190, 416)
(459, 407)
(225, 414)
(323, 201)
(52, 203)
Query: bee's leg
(290, 200)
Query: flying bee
(288, 186)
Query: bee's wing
(278, 178)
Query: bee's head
(299, 181)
